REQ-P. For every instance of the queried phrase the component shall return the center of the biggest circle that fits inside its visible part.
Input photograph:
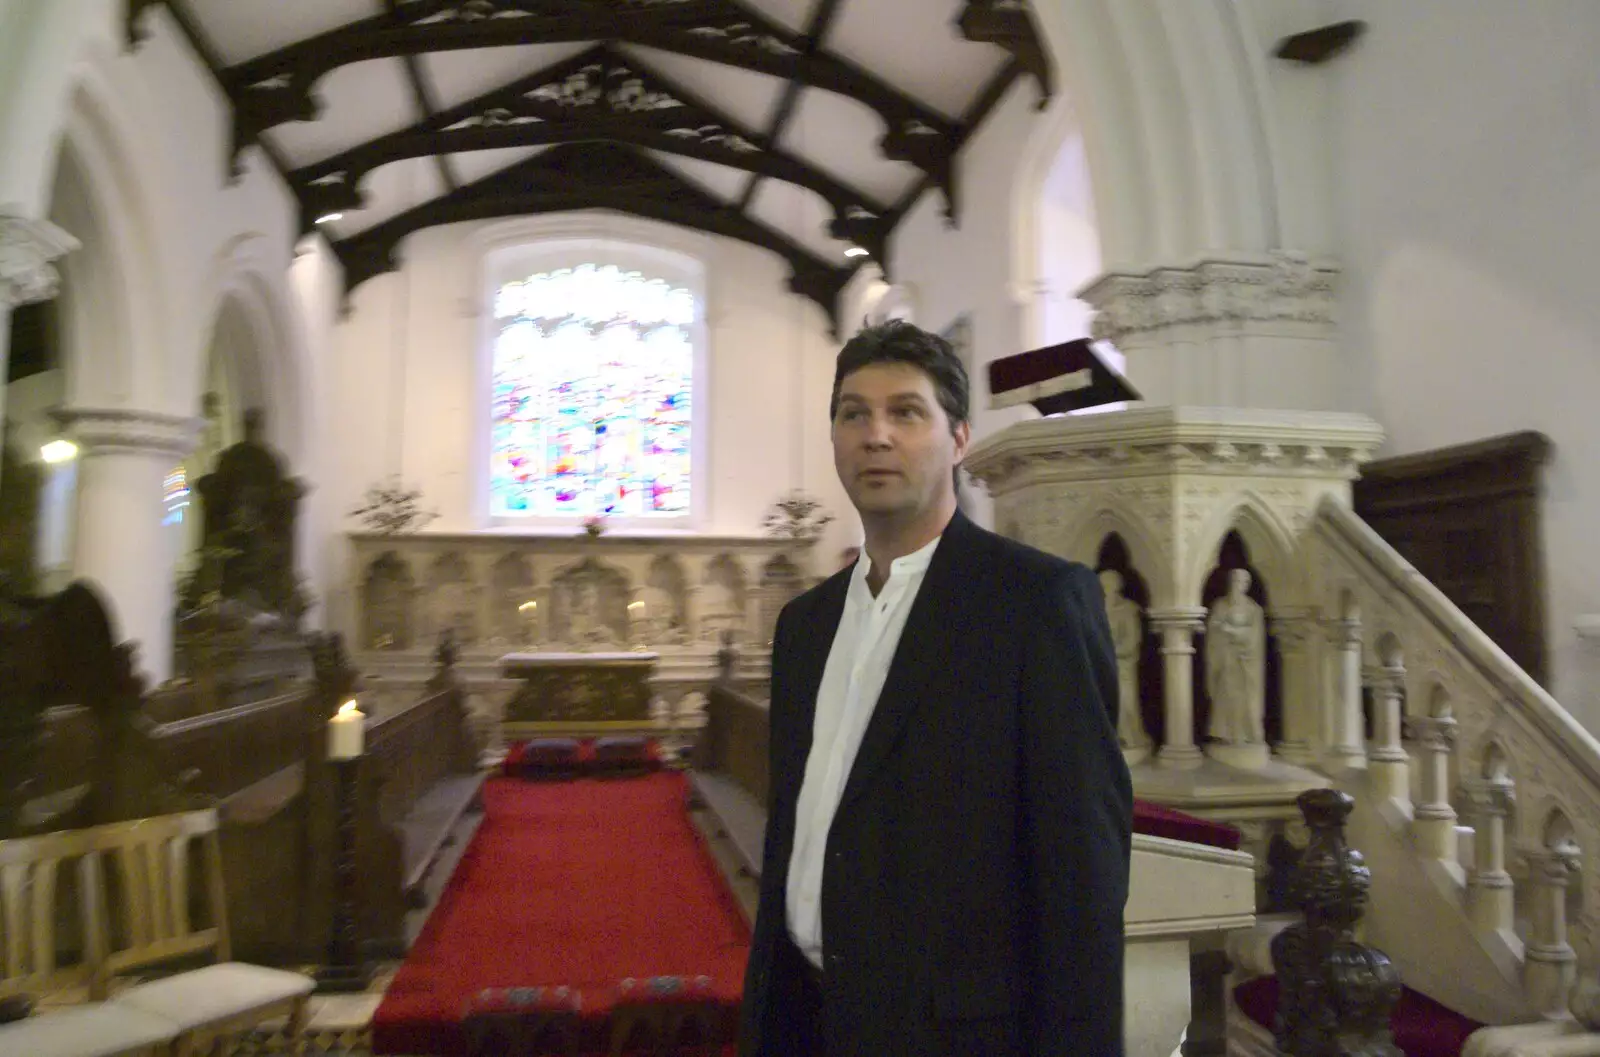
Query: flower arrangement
(594, 525)
(390, 509)
(797, 516)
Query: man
(950, 821)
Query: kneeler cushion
(1156, 821)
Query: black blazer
(977, 866)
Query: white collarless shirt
(858, 663)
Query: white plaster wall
(1469, 200)
(975, 268)
(410, 348)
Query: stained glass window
(592, 371)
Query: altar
(578, 693)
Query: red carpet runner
(580, 884)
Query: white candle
(345, 732)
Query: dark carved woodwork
(971, 121)
(1335, 994)
(816, 31)
(599, 176)
(1323, 44)
(734, 741)
(1011, 25)
(277, 86)
(1468, 517)
(81, 743)
(597, 96)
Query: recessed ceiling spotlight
(856, 251)
(329, 218)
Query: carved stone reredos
(1172, 482)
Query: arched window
(594, 359)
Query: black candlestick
(346, 970)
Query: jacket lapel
(923, 650)
(814, 641)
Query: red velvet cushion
(666, 990)
(1157, 821)
(1421, 1026)
(526, 1000)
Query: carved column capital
(1282, 287)
(1342, 633)
(119, 431)
(1433, 733)
(1554, 867)
(1293, 629)
(1181, 618)
(1491, 797)
(28, 250)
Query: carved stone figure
(1127, 635)
(1236, 655)
(249, 507)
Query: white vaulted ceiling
(767, 120)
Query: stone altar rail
(497, 592)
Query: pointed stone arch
(245, 285)
(1084, 538)
(1269, 540)
(115, 330)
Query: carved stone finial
(1335, 994)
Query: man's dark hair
(896, 341)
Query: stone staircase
(1477, 806)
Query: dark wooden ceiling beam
(972, 120)
(566, 179)
(598, 95)
(211, 58)
(816, 31)
(276, 87)
(422, 97)
(1013, 27)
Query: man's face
(893, 446)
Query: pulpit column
(1551, 962)
(1435, 824)
(1489, 889)
(28, 250)
(122, 546)
(1349, 726)
(1177, 629)
(1390, 765)
(1293, 632)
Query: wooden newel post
(1335, 995)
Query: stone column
(1177, 629)
(1551, 962)
(28, 250)
(1349, 727)
(1390, 765)
(122, 546)
(1489, 889)
(1435, 819)
(1298, 686)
